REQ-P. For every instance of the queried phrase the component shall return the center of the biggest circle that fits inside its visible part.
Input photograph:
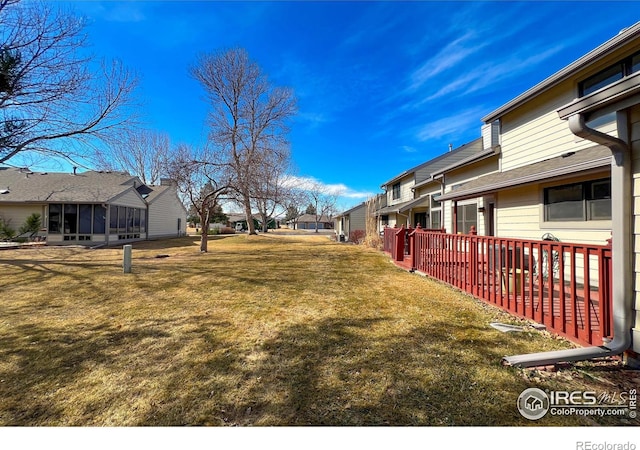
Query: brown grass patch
(262, 330)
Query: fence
(565, 286)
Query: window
(70, 219)
(466, 216)
(610, 75)
(136, 220)
(602, 79)
(143, 221)
(85, 219)
(436, 219)
(113, 219)
(99, 219)
(130, 216)
(122, 219)
(395, 191)
(590, 200)
(55, 218)
(384, 219)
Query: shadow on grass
(48, 362)
(330, 373)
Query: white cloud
(447, 126)
(447, 58)
(337, 189)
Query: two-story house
(414, 196)
(568, 167)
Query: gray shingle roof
(436, 164)
(24, 186)
(572, 162)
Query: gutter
(597, 54)
(621, 252)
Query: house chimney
(450, 147)
(74, 170)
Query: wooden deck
(574, 302)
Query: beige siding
(130, 198)
(537, 133)
(447, 216)
(15, 215)
(164, 212)
(470, 172)
(431, 189)
(406, 193)
(519, 214)
(357, 219)
(635, 147)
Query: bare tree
(248, 117)
(202, 180)
(323, 199)
(144, 153)
(270, 190)
(50, 99)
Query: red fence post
(398, 251)
(413, 248)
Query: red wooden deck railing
(566, 287)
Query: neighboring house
(566, 163)
(413, 197)
(240, 218)
(91, 207)
(351, 220)
(308, 222)
(569, 164)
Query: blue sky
(381, 86)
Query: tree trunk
(204, 233)
(251, 229)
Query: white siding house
(92, 208)
(166, 213)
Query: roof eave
(462, 194)
(593, 56)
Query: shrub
(221, 230)
(357, 236)
(6, 232)
(31, 225)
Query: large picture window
(77, 221)
(589, 200)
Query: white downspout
(621, 195)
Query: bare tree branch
(247, 121)
(144, 153)
(202, 183)
(51, 102)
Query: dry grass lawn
(262, 330)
